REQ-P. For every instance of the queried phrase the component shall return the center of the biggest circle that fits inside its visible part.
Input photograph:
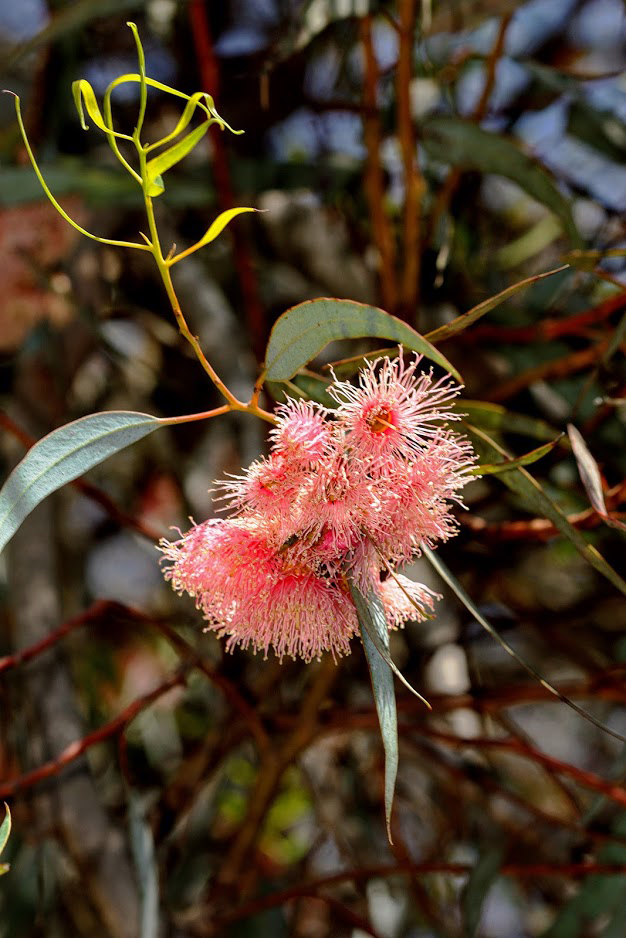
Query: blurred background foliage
(420, 156)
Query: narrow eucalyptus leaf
(448, 577)
(62, 456)
(371, 615)
(480, 882)
(464, 144)
(304, 330)
(490, 416)
(506, 466)
(164, 161)
(470, 317)
(213, 231)
(523, 484)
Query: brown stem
(236, 867)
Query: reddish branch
(541, 529)
(587, 779)
(549, 329)
(210, 76)
(364, 874)
(413, 181)
(454, 177)
(374, 178)
(76, 749)
(559, 368)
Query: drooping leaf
(448, 577)
(62, 456)
(83, 91)
(164, 161)
(463, 144)
(142, 845)
(5, 830)
(507, 466)
(371, 615)
(304, 330)
(523, 484)
(462, 322)
(478, 885)
(590, 476)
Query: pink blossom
(347, 493)
(303, 435)
(403, 600)
(392, 412)
(251, 589)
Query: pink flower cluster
(348, 492)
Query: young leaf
(478, 885)
(62, 456)
(371, 615)
(164, 161)
(462, 322)
(448, 577)
(212, 232)
(5, 830)
(304, 330)
(83, 91)
(590, 476)
(464, 144)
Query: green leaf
(304, 330)
(489, 416)
(5, 830)
(212, 232)
(372, 620)
(62, 456)
(448, 577)
(526, 460)
(466, 145)
(523, 484)
(478, 885)
(462, 322)
(83, 91)
(164, 161)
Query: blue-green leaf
(304, 330)
(62, 456)
(371, 615)
(464, 144)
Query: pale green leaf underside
(5, 827)
(304, 330)
(62, 456)
(371, 615)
